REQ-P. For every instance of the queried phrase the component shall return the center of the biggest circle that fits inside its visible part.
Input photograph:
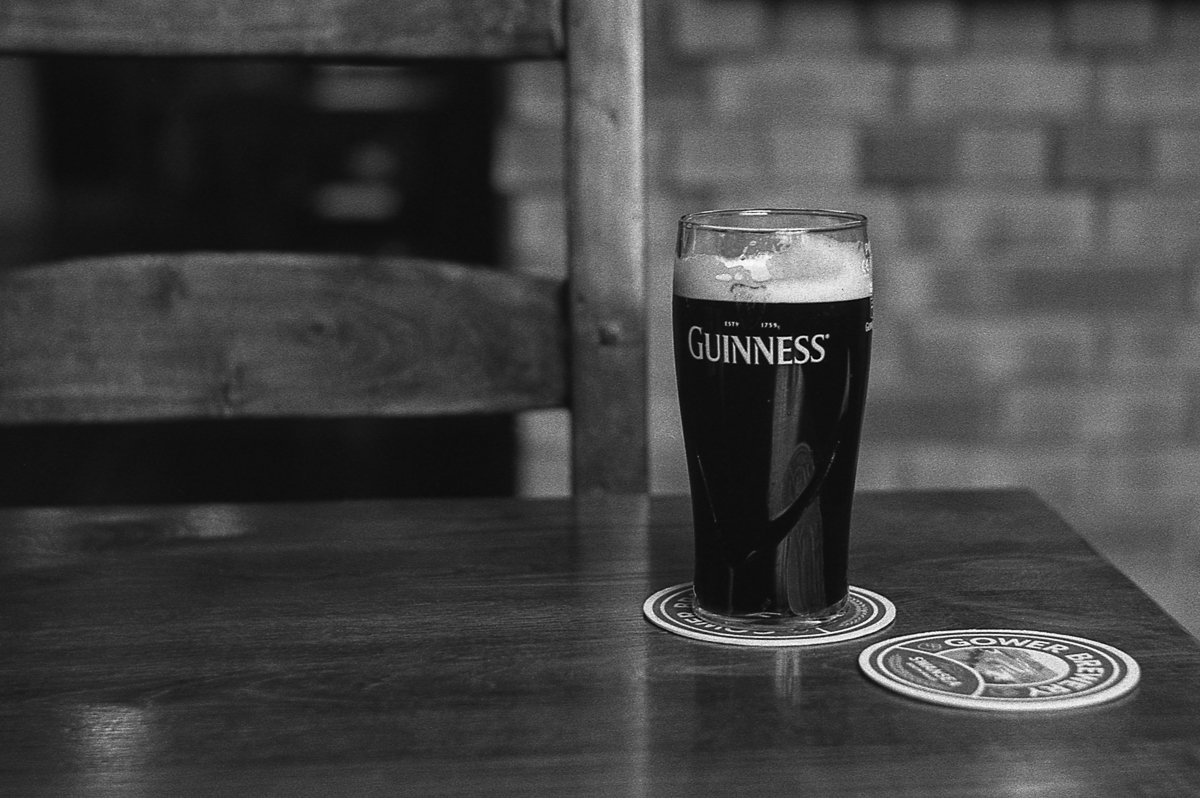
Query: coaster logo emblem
(1001, 669)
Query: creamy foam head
(805, 268)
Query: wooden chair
(264, 335)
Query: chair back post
(606, 235)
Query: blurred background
(1031, 172)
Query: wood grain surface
(497, 647)
(259, 335)
(606, 227)
(314, 28)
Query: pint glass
(772, 318)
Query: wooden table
(497, 647)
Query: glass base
(776, 620)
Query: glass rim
(849, 220)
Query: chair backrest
(183, 336)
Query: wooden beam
(196, 336)
(336, 29)
(606, 216)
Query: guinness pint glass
(772, 335)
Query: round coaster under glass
(1001, 669)
(674, 609)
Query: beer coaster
(1001, 669)
(673, 609)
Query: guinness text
(756, 350)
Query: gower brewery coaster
(1001, 669)
(674, 610)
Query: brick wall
(1032, 176)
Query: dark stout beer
(771, 397)
(772, 319)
